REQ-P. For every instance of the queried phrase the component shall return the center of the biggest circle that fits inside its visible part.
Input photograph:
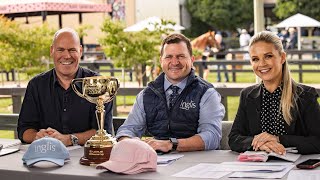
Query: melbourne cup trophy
(98, 90)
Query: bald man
(50, 106)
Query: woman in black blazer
(278, 112)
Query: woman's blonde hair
(289, 95)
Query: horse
(206, 45)
(202, 42)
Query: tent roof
(150, 23)
(298, 20)
(20, 7)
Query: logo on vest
(187, 105)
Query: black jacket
(303, 132)
(47, 104)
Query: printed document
(304, 174)
(202, 170)
(262, 175)
(210, 170)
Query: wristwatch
(175, 143)
(74, 140)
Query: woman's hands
(267, 142)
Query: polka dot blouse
(271, 115)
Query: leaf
(23, 48)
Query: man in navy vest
(180, 110)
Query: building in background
(59, 13)
(138, 10)
(130, 11)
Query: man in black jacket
(50, 106)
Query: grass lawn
(6, 108)
(6, 105)
(6, 134)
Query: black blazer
(303, 132)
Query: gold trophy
(98, 90)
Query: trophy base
(94, 156)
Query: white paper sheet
(258, 163)
(201, 170)
(210, 170)
(166, 159)
(242, 167)
(313, 174)
(262, 175)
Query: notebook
(262, 156)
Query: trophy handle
(73, 85)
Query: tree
(286, 8)
(222, 15)
(24, 49)
(131, 49)
(197, 27)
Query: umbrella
(150, 24)
(299, 20)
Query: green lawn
(233, 103)
(6, 134)
(6, 105)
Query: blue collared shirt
(211, 115)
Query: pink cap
(131, 156)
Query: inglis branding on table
(44, 148)
(187, 105)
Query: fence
(96, 65)
(18, 93)
(235, 63)
(7, 74)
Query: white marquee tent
(298, 21)
(150, 24)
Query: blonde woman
(278, 112)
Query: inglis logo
(44, 148)
(187, 106)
